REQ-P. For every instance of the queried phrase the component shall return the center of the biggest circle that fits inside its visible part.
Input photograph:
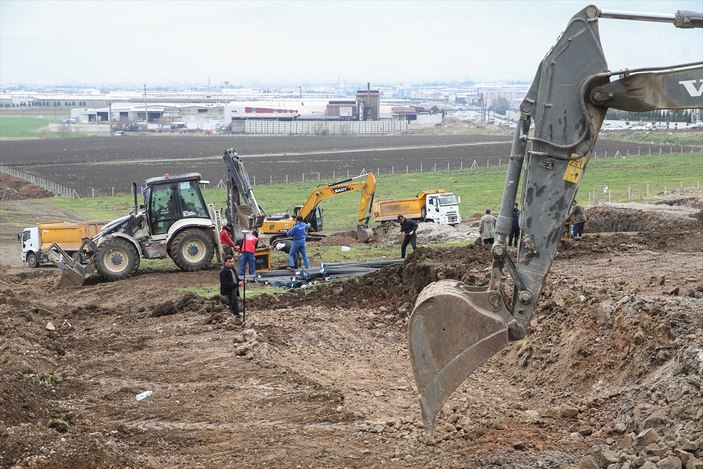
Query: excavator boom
(455, 328)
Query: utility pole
(146, 110)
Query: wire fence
(597, 196)
(51, 186)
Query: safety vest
(249, 243)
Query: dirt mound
(638, 217)
(394, 288)
(17, 189)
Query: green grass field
(25, 126)
(479, 189)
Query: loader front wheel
(116, 258)
(192, 250)
(32, 260)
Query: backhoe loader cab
(169, 199)
(173, 222)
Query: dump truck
(436, 206)
(35, 240)
(455, 328)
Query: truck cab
(442, 208)
(30, 246)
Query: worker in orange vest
(248, 250)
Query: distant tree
(500, 105)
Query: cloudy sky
(303, 42)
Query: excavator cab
(314, 217)
(455, 328)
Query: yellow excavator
(276, 226)
(455, 328)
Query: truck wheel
(191, 250)
(116, 258)
(32, 260)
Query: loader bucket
(452, 331)
(74, 274)
(363, 233)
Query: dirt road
(609, 376)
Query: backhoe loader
(174, 221)
(276, 226)
(455, 328)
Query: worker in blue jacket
(299, 233)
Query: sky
(265, 43)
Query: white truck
(436, 206)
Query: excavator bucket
(74, 274)
(453, 330)
(363, 233)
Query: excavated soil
(16, 189)
(610, 374)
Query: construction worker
(408, 227)
(249, 244)
(299, 233)
(226, 239)
(229, 285)
(578, 219)
(487, 227)
(515, 231)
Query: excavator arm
(455, 328)
(242, 209)
(325, 191)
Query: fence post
(435, 166)
(347, 174)
(303, 177)
(461, 164)
(270, 178)
(500, 160)
(420, 167)
(333, 175)
(92, 192)
(407, 169)
(393, 169)
(447, 165)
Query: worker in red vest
(248, 249)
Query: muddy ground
(611, 374)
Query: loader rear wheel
(192, 250)
(32, 260)
(116, 258)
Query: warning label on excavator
(574, 170)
